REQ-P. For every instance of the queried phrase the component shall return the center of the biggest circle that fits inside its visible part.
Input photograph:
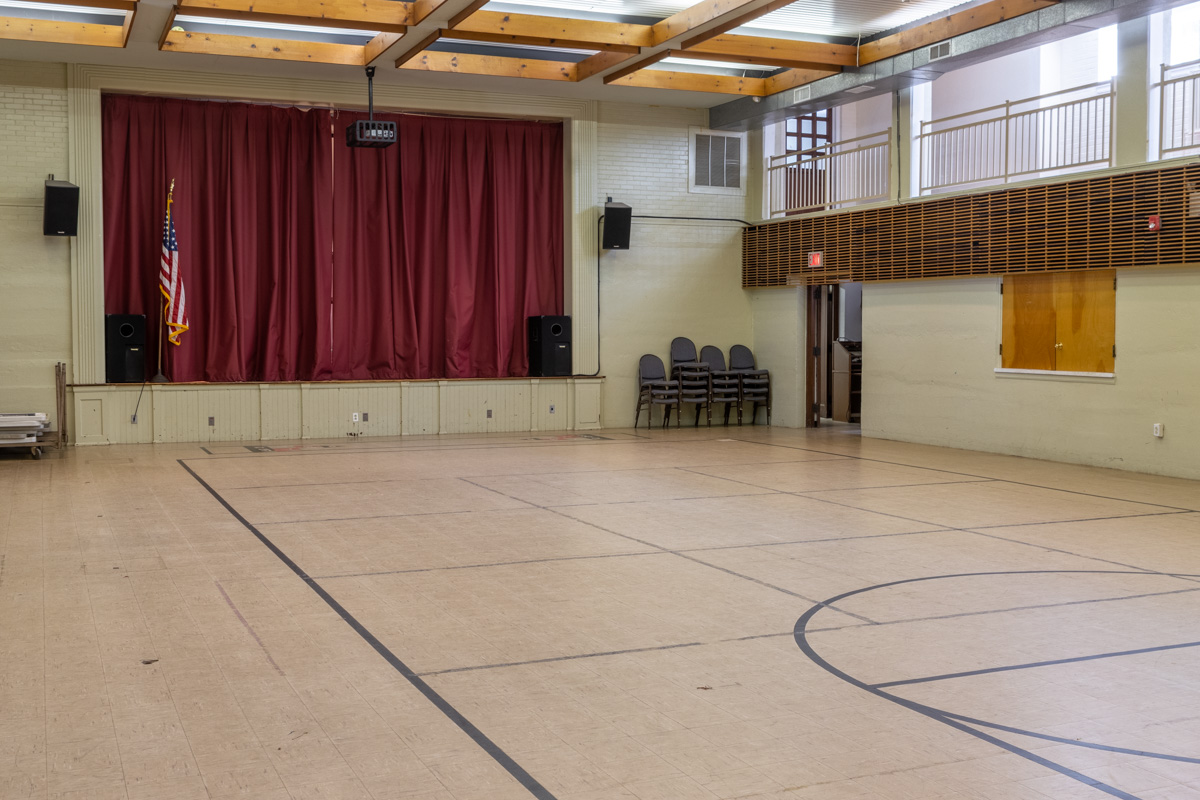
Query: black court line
(1041, 606)
(972, 475)
(659, 552)
(978, 530)
(442, 704)
(488, 565)
(1075, 742)
(535, 474)
(954, 721)
(210, 452)
(415, 448)
(514, 499)
(564, 658)
(1035, 664)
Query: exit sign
(815, 260)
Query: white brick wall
(678, 278)
(35, 294)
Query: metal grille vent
(801, 95)
(940, 50)
(718, 161)
(1099, 223)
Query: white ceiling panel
(851, 19)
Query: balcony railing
(1179, 109)
(1051, 134)
(835, 175)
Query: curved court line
(1075, 742)
(954, 720)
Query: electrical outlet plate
(552, 408)
(1158, 429)
(354, 417)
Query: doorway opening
(834, 354)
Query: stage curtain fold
(443, 244)
(308, 260)
(253, 216)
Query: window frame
(1062, 300)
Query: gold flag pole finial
(172, 189)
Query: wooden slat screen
(1097, 223)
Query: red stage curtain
(308, 260)
(253, 216)
(443, 245)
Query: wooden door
(1029, 322)
(1085, 321)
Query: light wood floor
(726, 613)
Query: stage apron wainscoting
(225, 412)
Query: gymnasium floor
(724, 613)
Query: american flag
(170, 281)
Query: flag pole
(160, 377)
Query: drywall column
(1130, 137)
(911, 105)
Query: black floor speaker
(125, 348)
(549, 346)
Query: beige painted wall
(677, 278)
(35, 296)
(779, 347)
(930, 347)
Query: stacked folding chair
(655, 390)
(692, 374)
(726, 384)
(755, 383)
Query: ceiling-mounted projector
(370, 132)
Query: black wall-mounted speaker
(617, 217)
(125, 348)
(549, 346)
(60, 212)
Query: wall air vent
(718, 162)
(801, 95)
(940, 50)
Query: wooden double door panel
(1062, 321)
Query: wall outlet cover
(354, 417)
(552, 408)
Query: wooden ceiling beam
(466, 12)
(766, 62)
(115, 5)
(422, 9)
(376, 47)
(593, 65)
(575, 30)
(692, 82)
(418, 48)
(254, 47)
(702, 13)
(972, 19)
(48, 30)
(784, 52)
(372, 15)
(535, 41)
(796, 77)
(636, 66)
(497, 66)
